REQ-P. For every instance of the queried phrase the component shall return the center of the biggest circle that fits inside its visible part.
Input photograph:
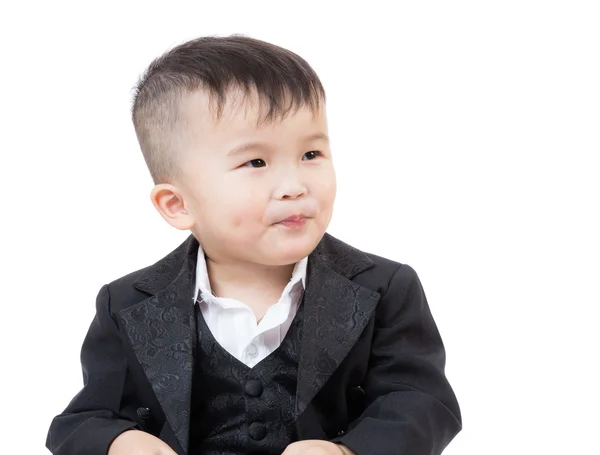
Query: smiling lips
(294, 221)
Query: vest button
(257, 431)
(253, 387)
(143, 413)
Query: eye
(255, 163)
(311, 155)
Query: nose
(290, 187)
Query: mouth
(294, 221)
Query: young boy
(261, 333)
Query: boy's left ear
(168, 201)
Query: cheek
(242, 209)
(327, 189)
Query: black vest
(241, 410)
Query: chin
(293, 250)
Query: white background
(466, 139)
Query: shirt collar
(203, 282)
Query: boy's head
(234, 133)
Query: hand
(136, 442)
(316, 447)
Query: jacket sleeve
(412, 409)
(95, 416)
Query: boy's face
(242, 181)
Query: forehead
(244, 113)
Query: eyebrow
(258, 145)
(316, 137)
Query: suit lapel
(161, 331)
(336, 312)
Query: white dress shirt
(233, 323)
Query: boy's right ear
(169, 202)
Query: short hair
(281, 79)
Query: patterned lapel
(336, 312)
(161, 331)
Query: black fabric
(370, 373)
(236, 409)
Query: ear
(168, 201)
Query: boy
(261, 333)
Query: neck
(227, 275)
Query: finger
(292, 449)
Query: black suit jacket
(371, 371)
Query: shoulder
(140, 284)
(375, 272)
(122, 293)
